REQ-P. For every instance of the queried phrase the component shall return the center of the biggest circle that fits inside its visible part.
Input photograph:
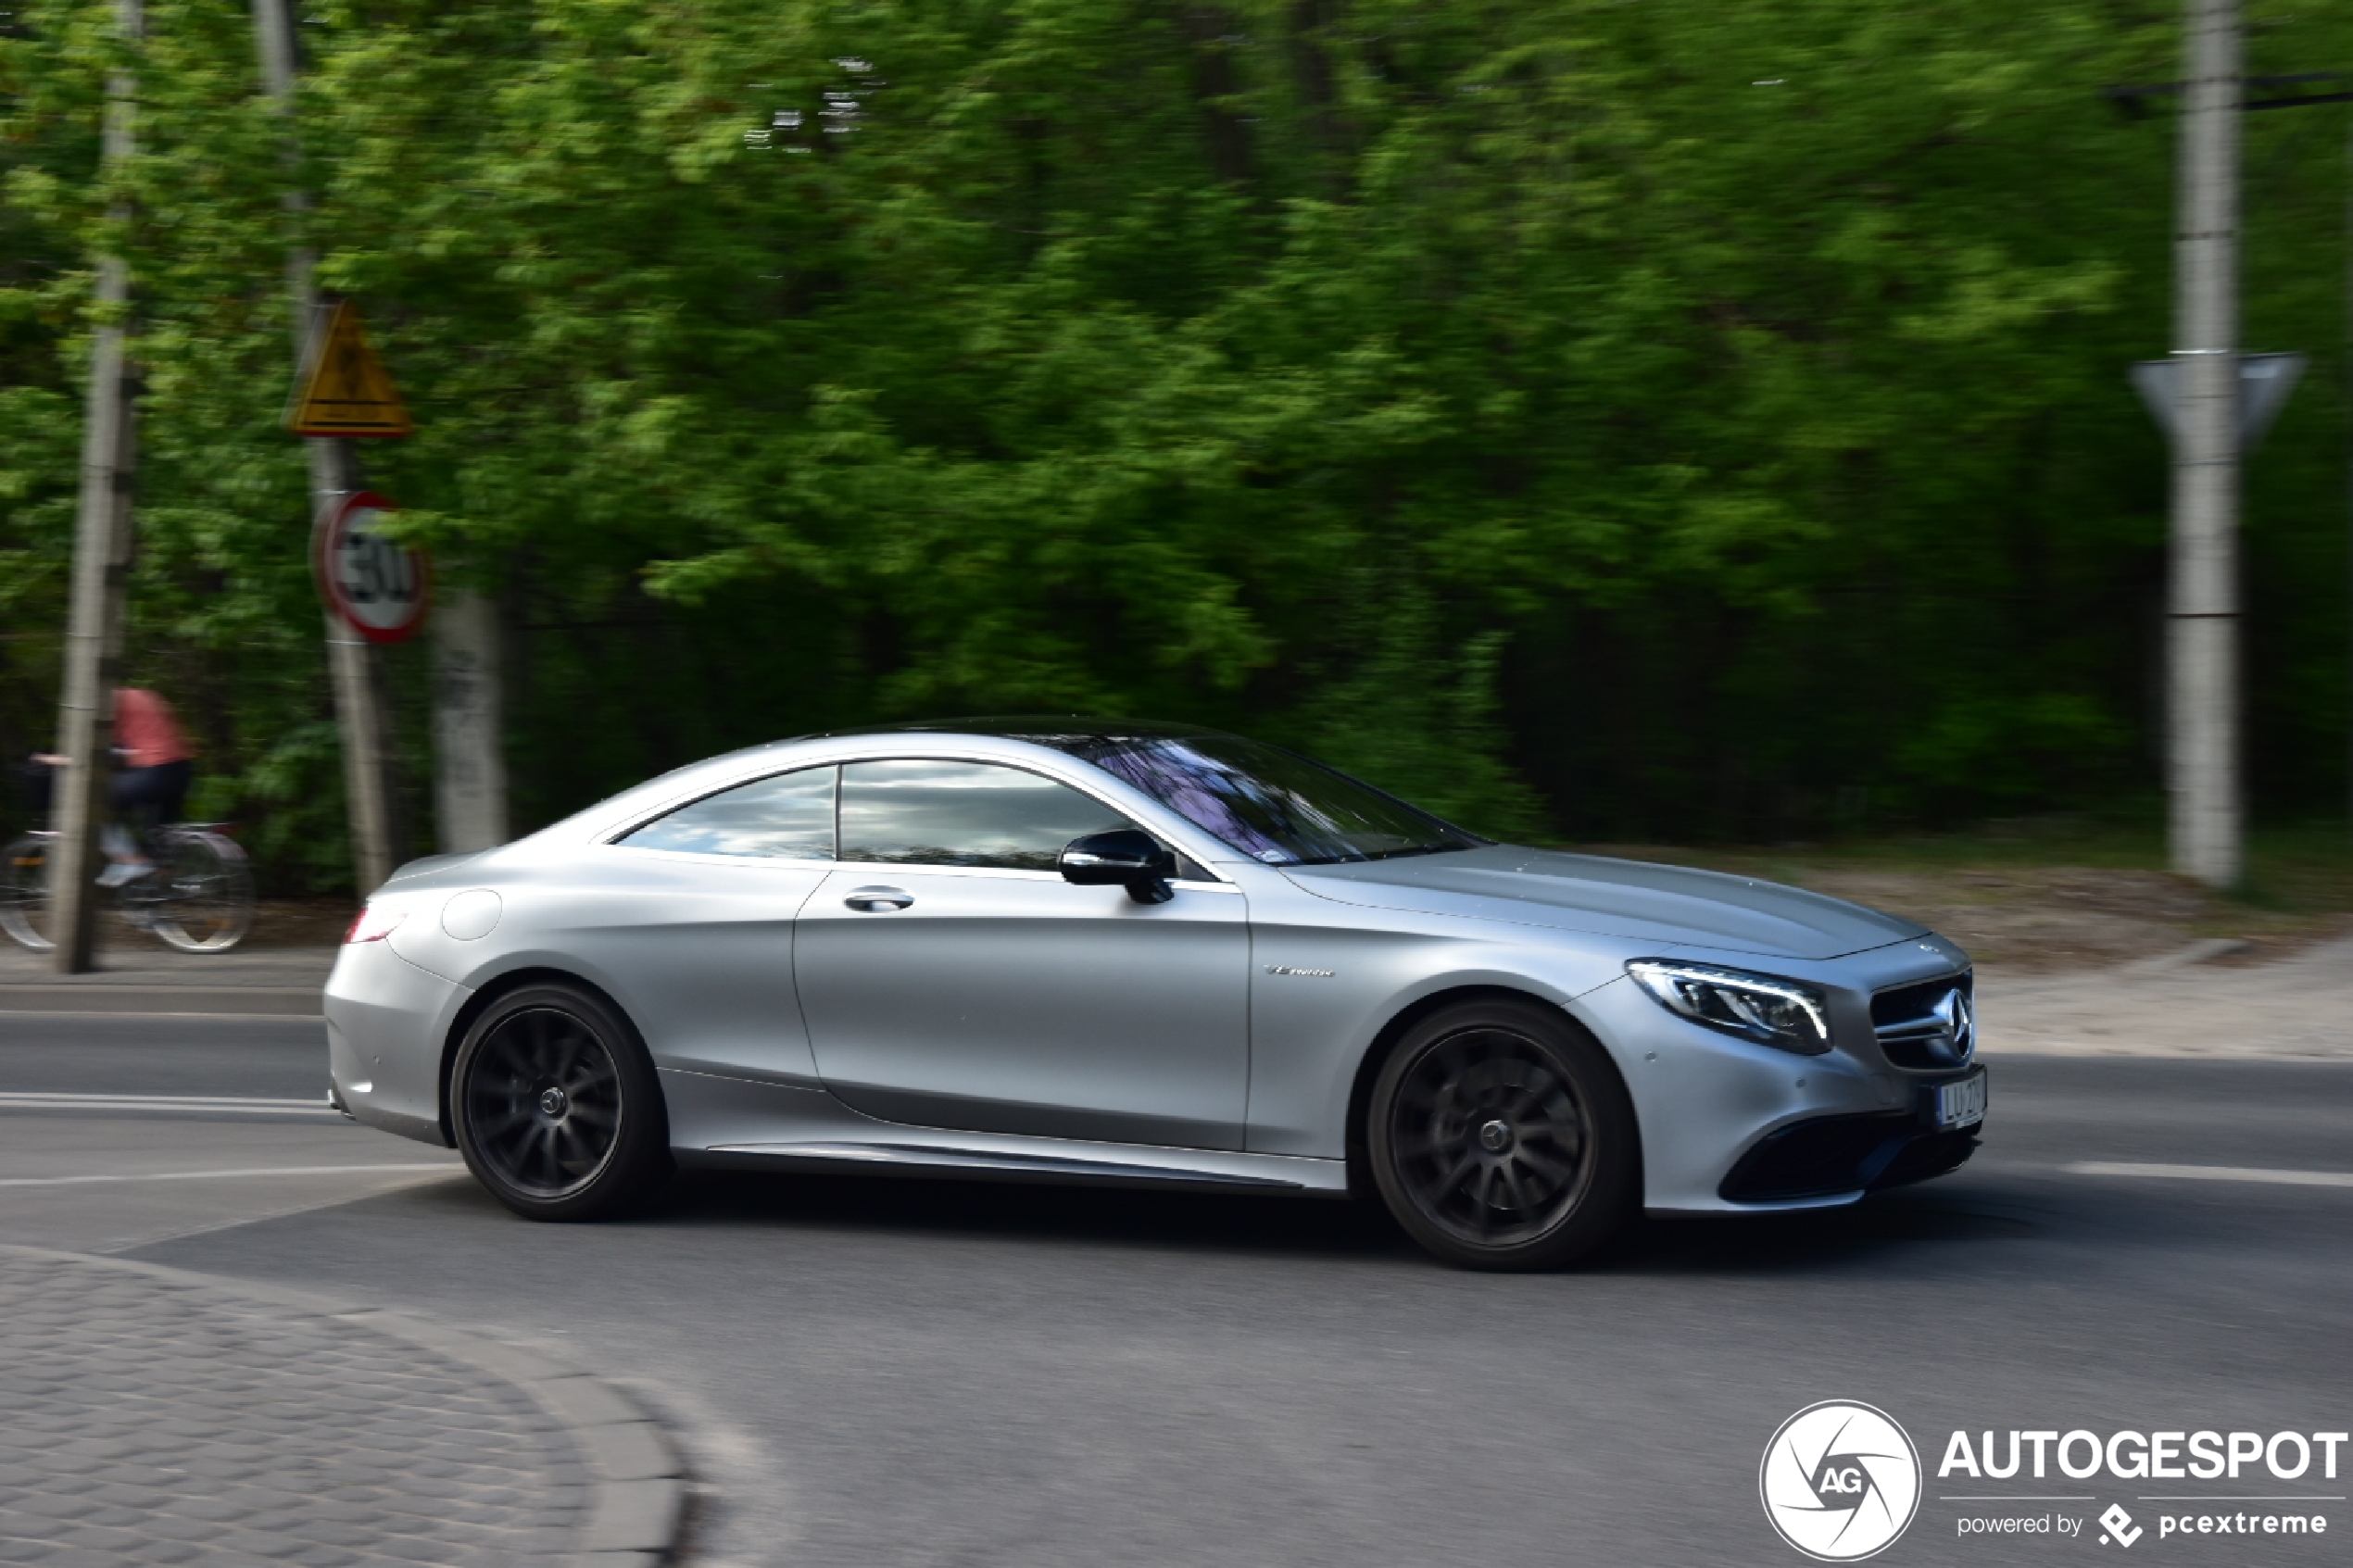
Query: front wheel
(1501, 1137)
(556, 1106)
(24, 893)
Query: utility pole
(2206, 836)
(469, 764)
(334, 473)
(2207, 823)
(101, 561)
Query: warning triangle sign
(347, 390)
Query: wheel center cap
(1495, 1137)
(555, 1102)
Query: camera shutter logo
(1840, 1481)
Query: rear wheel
(556, 1106)
(201, 898)
(1501, 1138)
(24, 893)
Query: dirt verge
(2040, 919)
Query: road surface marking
(2217, 1173)
(26, 1101)
(223, 1175)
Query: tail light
(373, 924)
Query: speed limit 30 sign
(378, 588)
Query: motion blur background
(1604, 421)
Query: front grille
(1930, 1025)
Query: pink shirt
(144, 728)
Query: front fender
(1328, 979)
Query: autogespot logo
(1840, 1481)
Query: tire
(204, 900)
(556, 1106)
(24, 893)
(1501, 1136)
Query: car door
(951, 978)
(693, 921)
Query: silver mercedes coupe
(1091, 950)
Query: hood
(1666, 905)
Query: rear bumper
(385, 1022)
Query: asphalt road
(125, 1054)
(870, 1372)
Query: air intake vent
(1930, 1025)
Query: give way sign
(378, 588)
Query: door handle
(878, 900)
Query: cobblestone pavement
(146, 1418)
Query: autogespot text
(2137, 1456)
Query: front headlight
(1763, 1008)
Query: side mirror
(1127, 858)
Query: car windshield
(1273, 805)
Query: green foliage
(1651, 420)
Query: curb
(635, 1512)
(252, 1002)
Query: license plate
(1958, 1105)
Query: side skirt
(739, 1125)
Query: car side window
(927, 813)
(783, 817)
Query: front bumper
(1731, 1127)
(1830, 1157)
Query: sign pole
(376, 592)
(359, 713)
(359, 710)
(355, 668)
(101, 568)
(344, 390)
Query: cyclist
(149, 789)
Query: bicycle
(198, 898)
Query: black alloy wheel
(1501, 1137)
(556, 1106)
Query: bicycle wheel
(204, 897)
(24, 893)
